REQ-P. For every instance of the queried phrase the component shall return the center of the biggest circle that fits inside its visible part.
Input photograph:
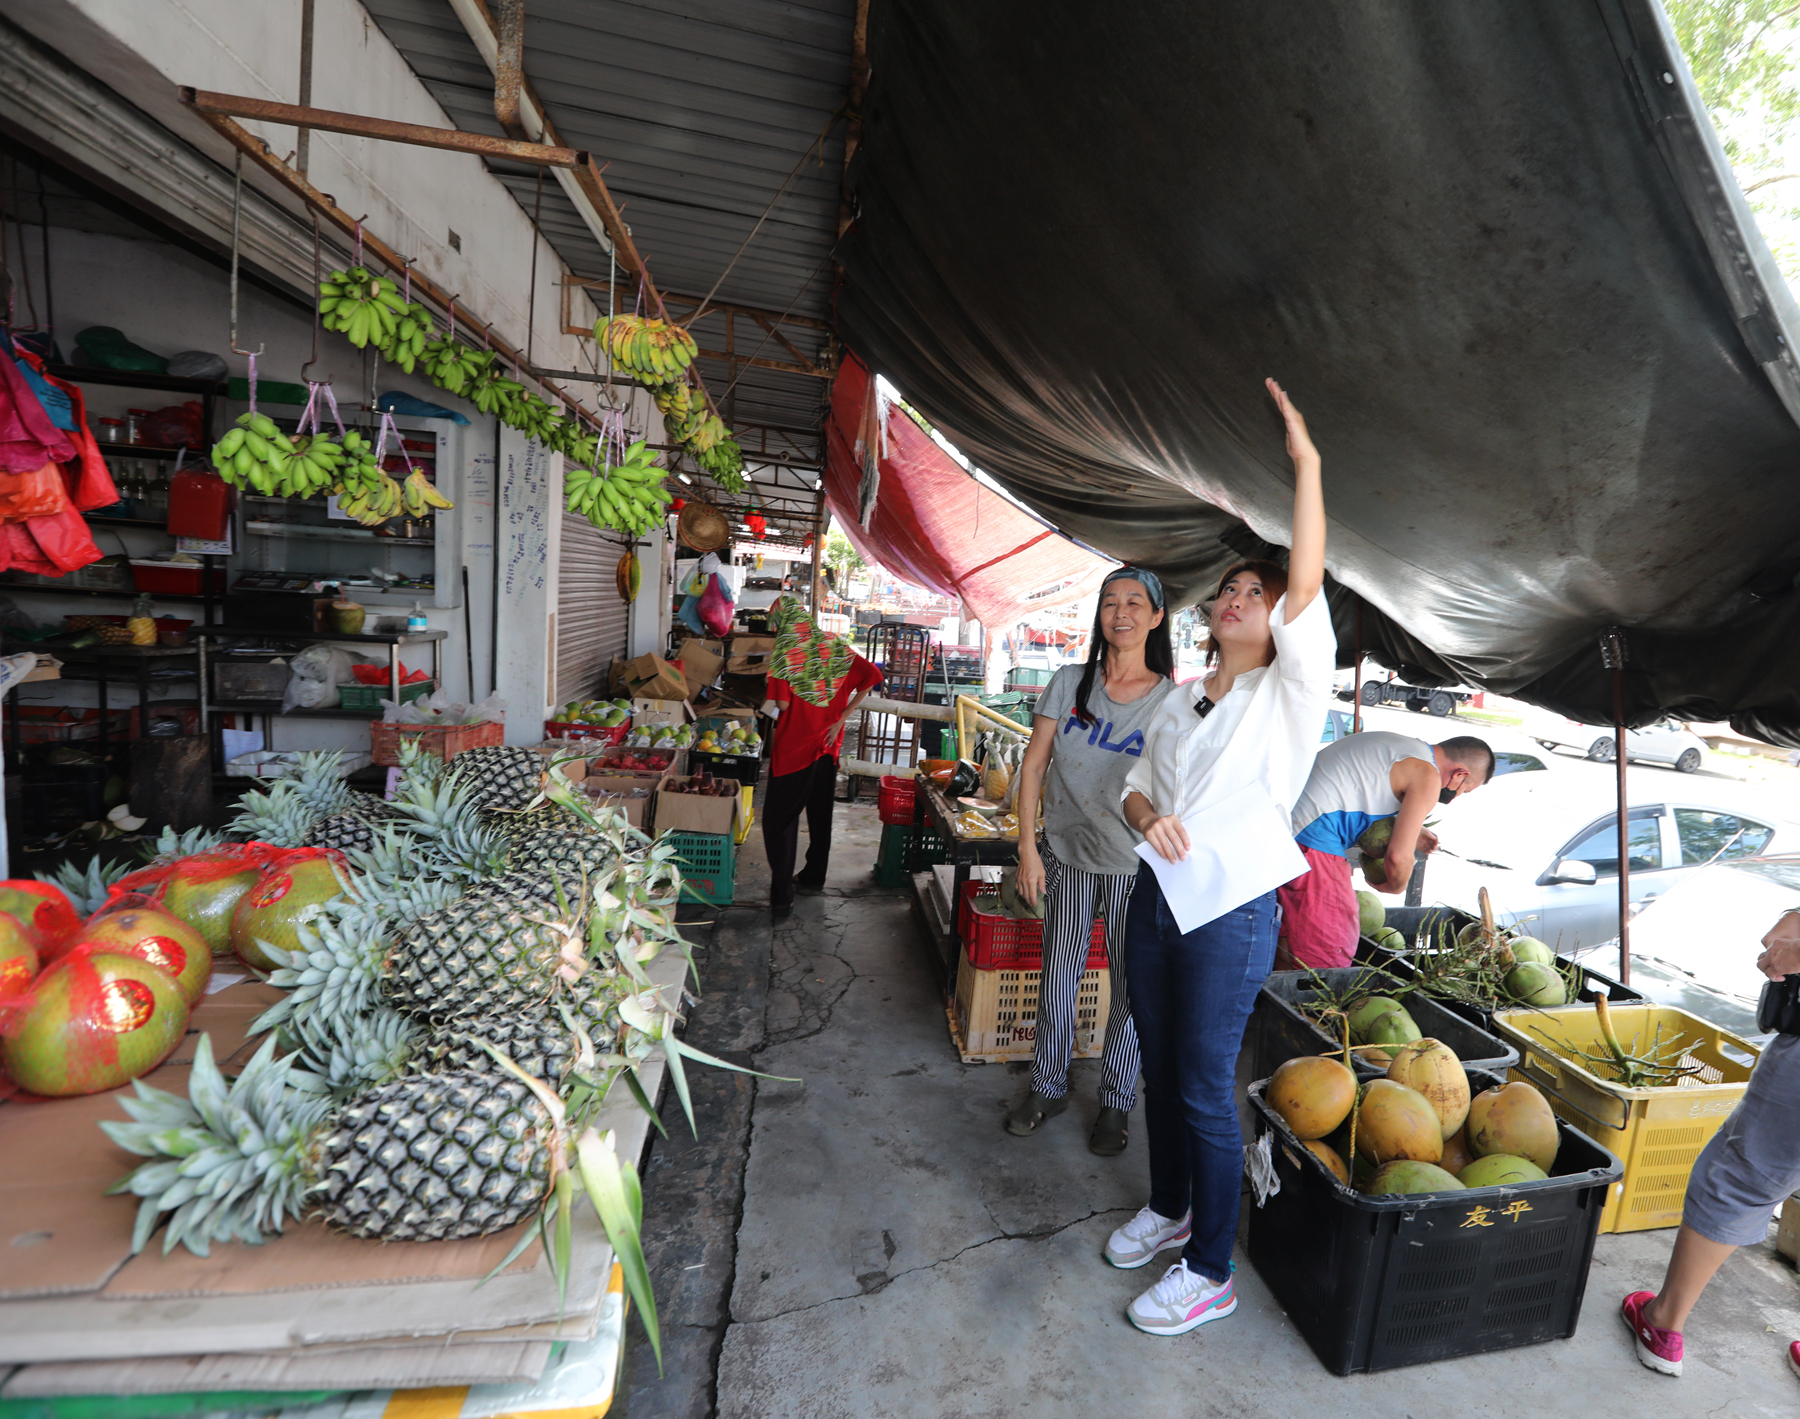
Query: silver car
(1545, 845)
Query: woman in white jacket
(1224, 760)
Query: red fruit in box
(270, 910)
(157, 937)
(18, 956)
(95, 1021)
(204, 891)
(46, 909)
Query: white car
(1696, 946)
(1665, 742)
(1545, 846)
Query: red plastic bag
(715, 607)
(90, 482)
(59, 543)
(39, 493)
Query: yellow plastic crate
(747, 817)
(994, 1017)
(1658, 1133)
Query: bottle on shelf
(142, 622)
(416, 622)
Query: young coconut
(1500, 1170)
(1432, 1069)
(1312, 1095)
(1397, 1123)
(1411, 1177)
(1514, 1119)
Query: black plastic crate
(1278, 1031)
(745, 768)
(1376, 1283)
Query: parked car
(1695, 946)
(1546, 848)
(1666, 742)
(1389, 689)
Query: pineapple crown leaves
(355, 1053)
(399, 879)
(86, 889)
(336, 969)
(318, 782)
(229, 1161)
(277, 815)
(171, 844)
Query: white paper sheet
(1240, 848)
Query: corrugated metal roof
(699, 116)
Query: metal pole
(1612, 655)
(303, 143)
(1356, 684)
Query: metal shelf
(274, 707)
(7, 587)
(92, 521)
(332, 534)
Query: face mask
(1447, 795)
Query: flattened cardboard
(609, 790)
(226, 1016)
(694, 812)
(310, 1256)
(320, 1368)
(750, 655)
(64, 1238)
(648, 712)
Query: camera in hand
(1778, 1011)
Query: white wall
(527, 544)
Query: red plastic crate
(558, 729)
(894, 803)
(997, 942)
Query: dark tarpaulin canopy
(1494, 251)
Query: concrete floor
(869, 1241)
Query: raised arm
(1306, 558)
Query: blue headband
(1152, 583)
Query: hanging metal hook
(315, 320)
(237, 212)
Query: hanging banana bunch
(450, 364)
(418, 497)
(407, 345)
(654, 351)
(372, 505)
(361, 306)
(628, 496)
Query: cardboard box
(750, 655)
(652, 713)
(702, 661)
(618, 790)
(653, 678)
(694, 812)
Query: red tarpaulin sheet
(933, 524)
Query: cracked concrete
(869, 1241)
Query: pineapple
(539, 1040)
(423, 1158)
(356, 826)
(86, 890)
(502, 777)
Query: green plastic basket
(708, 866)
(369, 697)
(891, 857)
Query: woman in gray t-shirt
(1086, 734)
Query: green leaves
(618, 1200)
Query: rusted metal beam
(763, 363)
(853, 103)
(212, 105)
(423, 288)
(680, 302)
(788, 345)
(509, 65)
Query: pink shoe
(1794, 1357)
(1659, 1350)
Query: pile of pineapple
(465, 978)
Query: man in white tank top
(1354, 784)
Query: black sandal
(1025, 1119)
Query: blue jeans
(1191, 996)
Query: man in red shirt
(815, 682)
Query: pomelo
(18, 955)
(158, 937)
(46, 909)
(204, 890)
(95, 1022)
(270, 910)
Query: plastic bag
(439, 708)
(37, 494)
(716, 608)
(314, 676)
(689, 614)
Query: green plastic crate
(891, 858)
(708, 866)
(369, 697)
(927, 849)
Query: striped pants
(1072, 899)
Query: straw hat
(702, 526)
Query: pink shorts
(1320, 918)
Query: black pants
(812, 792)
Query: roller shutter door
(592, 621)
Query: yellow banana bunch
(372, 506)
(627, 497)
(654, 350)
(418, 497)
(362, 306)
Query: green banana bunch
(655, 351)
(253, 453)
(359, 470)
(418, 497)
(407, 345)
(723, 462)
(533, 417)
(450, 364)
(310, 467)
(491, 391)
(361, 306)
(575, 446)
(628, 497)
